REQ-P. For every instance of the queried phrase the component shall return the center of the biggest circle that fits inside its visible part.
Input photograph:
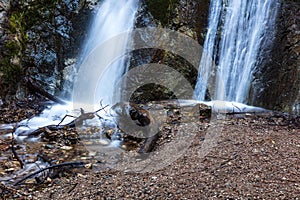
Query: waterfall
(104, 51)
(235, 34)
(113, 17)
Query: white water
(114, 17)
(234, 39)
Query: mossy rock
(162, 10)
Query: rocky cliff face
(184, 16)
(4, 8)
(277, 83)
(38, 38)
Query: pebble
(66, 147)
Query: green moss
(11, 72)
(37, 11)
(162, 10)
(16, 22)
(11, 66)
(12, 46)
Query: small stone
(92, 153)
(9, 169)
(49, 146)
(48, 180)
(66, 148)
(88, 166)
(81, 175)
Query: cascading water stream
(234, 39)
(107, 42)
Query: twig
(69, 164)
(82, 114)
(236, 113)
(236, 107)
(228, 160)
(74, 186)
(101, 108)
(65, 118)
(224, 163)
(13, 147)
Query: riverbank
(256, 156)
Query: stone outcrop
(38, 40)
(277, 83)
(186, 17)
(4, 8)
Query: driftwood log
(128, 114)
(35, 88)
(143, 118)
(76, 122)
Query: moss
(37, 11)
(22, 16)
(12, 46)
(11, 66)
(162, 10)
(11, 72)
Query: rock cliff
(277, 81)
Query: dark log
(38, 89)
(76, 122)
(142, 116)
(149, 144)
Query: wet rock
(277, 83)
(185, 17)
(46, 37)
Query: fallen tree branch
(74, 186)
(38, 89)
(235, 156)
(76, 122)
(66, 164)
(243, 113)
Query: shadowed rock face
(184, 16)
(4, 7)
(188, 17)
(40, 35)
(277, 84)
